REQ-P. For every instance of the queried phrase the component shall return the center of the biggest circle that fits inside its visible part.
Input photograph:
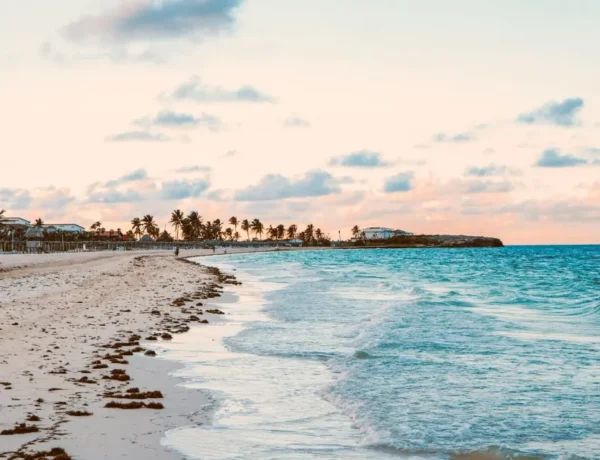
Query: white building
(67, 228)
(382, 233)
(15, 222)
(378, 233)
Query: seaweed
(20, 428)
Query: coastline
(59, 312)
(263, 402)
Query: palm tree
(257, 227)
(39, 222)
(195, 225)
(154, 231)
(246, 227)
(148, 224)
(177, 221)
(217, 229)
(212, 230)
(236, 236)
(96, 226)
(136, 226)
(309, 233)
(272, 232)
(206, 232)
(280, 231)
(234, 221)
(355, 231)
(291, 231)
(2, 211)
(186, 229)
(228, 234)
(318, 234)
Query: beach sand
(57, 314)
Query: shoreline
(198, 343)
(263, 401)
(58, 317)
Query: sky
(465, 117)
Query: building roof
(9, 219)
(378, 229)
(14, 222)
(383, 229)
(34, 232)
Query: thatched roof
(34, 233)
(146, 239)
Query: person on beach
(176, 251)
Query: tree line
(192, 227)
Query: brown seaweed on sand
(135, 395)
(117, 374)
(133, 405)
(20, 428)
(55, 454)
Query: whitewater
(400, 353)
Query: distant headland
(428, 241)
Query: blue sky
(431, 116)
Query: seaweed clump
(55, 454)
(20, 428)
(133, 405)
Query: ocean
(401, 353)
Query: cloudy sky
(431, 116)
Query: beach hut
(146, 239)
(34, 237)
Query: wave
(436, 354)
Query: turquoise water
(427, 354)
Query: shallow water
(376, 354)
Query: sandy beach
(73, 337)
